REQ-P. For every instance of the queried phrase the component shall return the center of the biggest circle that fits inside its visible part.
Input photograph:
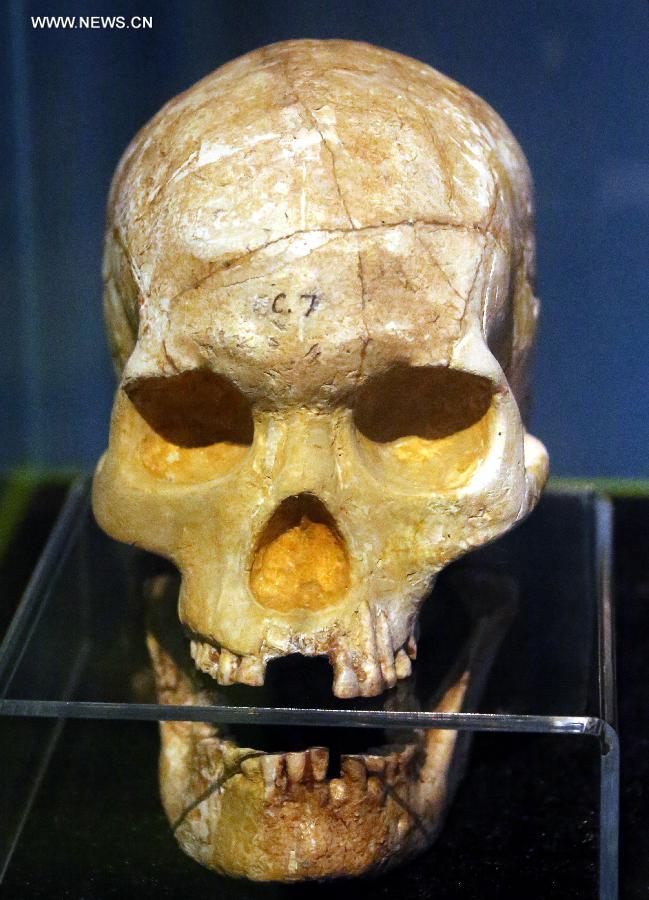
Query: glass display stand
(529, 616)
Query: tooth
(337, 791)
(195, 651)
(295, 766)
(269, 769)
(273, 770)
(228, 664)
(345, 681)
(319, 757)
(385, 761)
(367, 665)
(374, 763)
(411, 646)
(375, 787)
(206, 658)
(363, 661)
(353, 768)
(251, 671)
(402, 664)
(384, 648)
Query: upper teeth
(363, 658)
(226, 667)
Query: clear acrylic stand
(542, 594)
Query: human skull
(319, 293)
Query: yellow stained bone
(303, 567)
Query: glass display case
(529, 617)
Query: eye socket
(429, 403)
(194, 409)
(195, 425)
(426, 426)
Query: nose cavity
(301, 561)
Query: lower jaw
(286, 816)
(270, 805)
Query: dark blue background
(570, 77)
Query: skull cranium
(319, 291)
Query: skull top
(319, 294)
